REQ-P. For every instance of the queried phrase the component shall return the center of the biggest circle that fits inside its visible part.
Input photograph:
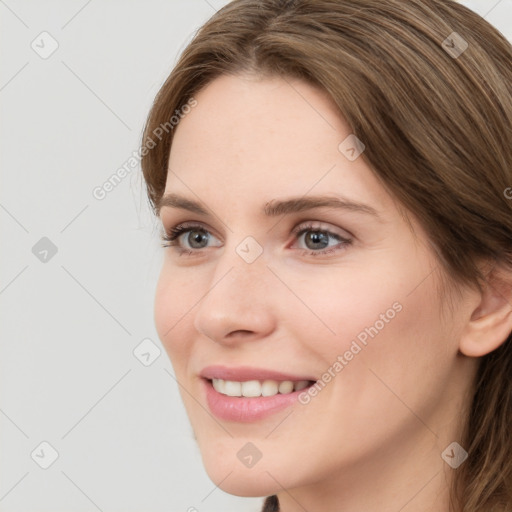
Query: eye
(318, 240)
(187, 237)
(192, 238)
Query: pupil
(317, 237)
(193, 239)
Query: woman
(333, 179)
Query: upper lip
(246, 373)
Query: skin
(372, 439)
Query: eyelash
(169, 238)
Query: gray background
(70, 321)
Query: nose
(237, 304)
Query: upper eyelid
(317, 225)
(312, 225)
(189, 225)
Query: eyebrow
(275, 208)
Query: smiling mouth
(258, 388)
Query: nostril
(242, 332)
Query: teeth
(269, 388)
(232, 388)
(285, 387)
(251, 388)
(219, 385)
(301, 385)
(255, 388)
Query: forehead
(260, 138)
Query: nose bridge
(237, 295)
(242, 270)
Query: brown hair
(437, 127)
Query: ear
(491, 321)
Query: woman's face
(266, 286)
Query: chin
(247, 483)
(230, 474)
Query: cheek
(383, 318)
(403, 352)
(174, 299)
(349, 303)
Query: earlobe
(491, 321)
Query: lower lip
(245, 410)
